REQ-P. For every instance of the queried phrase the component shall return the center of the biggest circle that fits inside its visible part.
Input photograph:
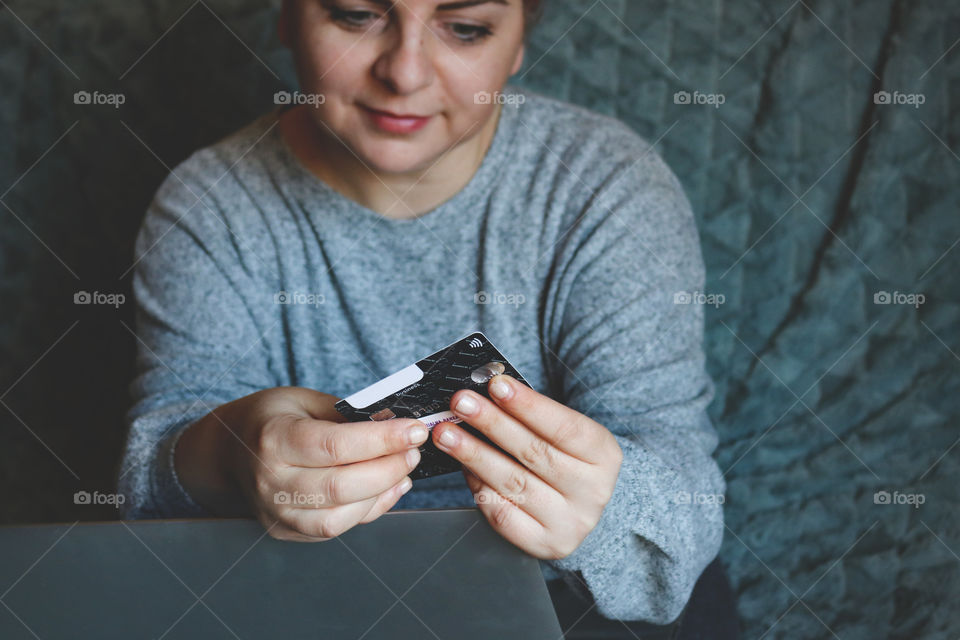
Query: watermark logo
(885, 497)
(299, 499)
(897, 297)
(485, 97)
(97, 498)
(295, 97)
(699, 297)
(98, 297)
(298, 297)
(493, 297)
(112, 99)
(496, 498)
(685, 497)
(712, 99)
(912, 99)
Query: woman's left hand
(549, 501)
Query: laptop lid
(419, 573)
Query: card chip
(383, 414)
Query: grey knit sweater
(567, 248)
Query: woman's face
(429, 58)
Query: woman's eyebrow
(450, 6)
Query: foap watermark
(485, 97)
(298, 297)
(913, 499)
(895, 97)
(295, 97)
(712, 99)
(699, 297)
(898, 297)
(95, 97)
(97, 498)
(297, 499)
(495, 498)
(493, 297)
(98, 297)
(685, 497)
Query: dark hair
(532, 12)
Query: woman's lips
(392, 123)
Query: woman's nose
(406, 64)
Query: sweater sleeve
(628, 353)
(198, 344)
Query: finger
(387, 500)
(505, 476)
(287, 534)
(555, 467)
(569, 431)
(328, 523)
(345, 484)
(304, 442)
(280, 531)
(507, 518)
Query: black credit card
(423, 391)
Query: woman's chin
(395, 159)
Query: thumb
(316, 404)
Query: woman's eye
(352, 18)
(469, 32)
(466, 33)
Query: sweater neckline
(479, 184)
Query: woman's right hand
(286, 456)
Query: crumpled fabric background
(811, 197)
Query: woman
(405, 197)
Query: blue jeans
(710, 614)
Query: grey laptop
(431, 573)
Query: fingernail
(449, 438)
(499, 388)
(413, 457)
(466, 406)
(405, 485)
(417, 435)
